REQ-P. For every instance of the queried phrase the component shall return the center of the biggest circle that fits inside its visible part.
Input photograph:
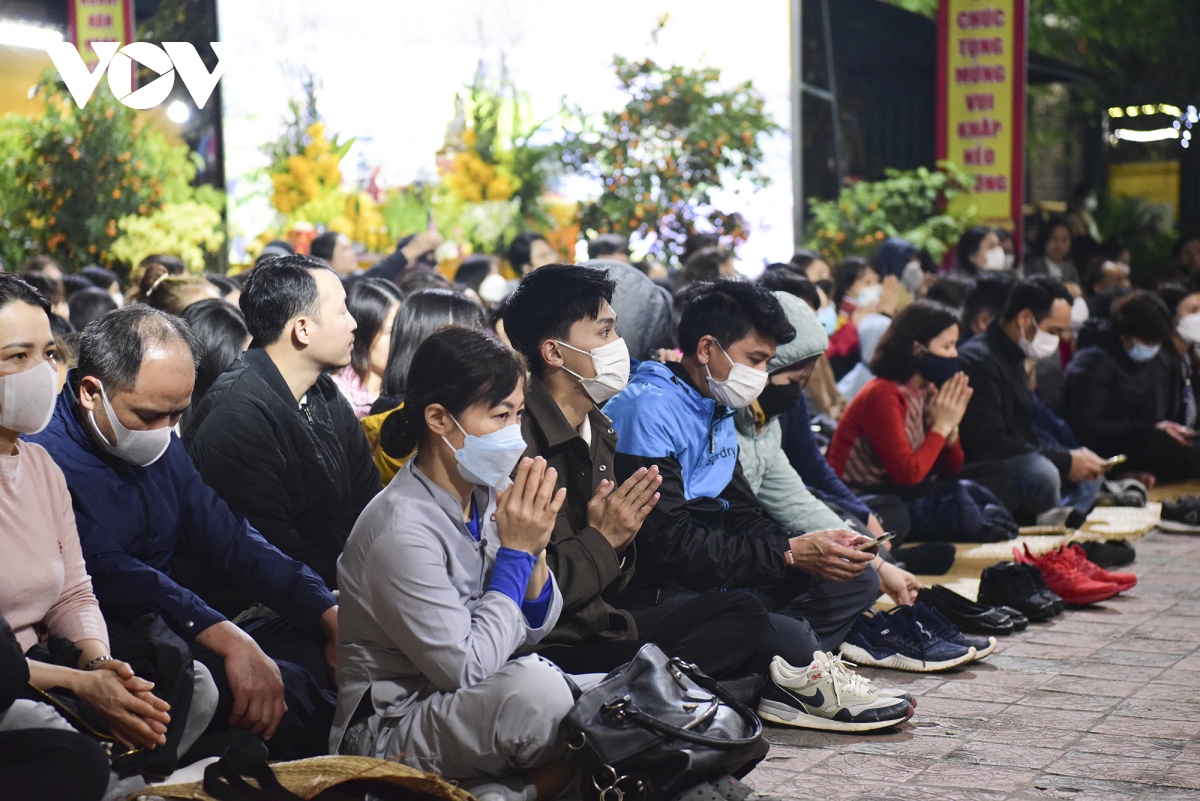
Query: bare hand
(421, 244)
(1085, 466)
(1180, 433)
(135, 715)
(525, 512)
(618, 513)
(829, 554)
(900, 585)
(122, 669)
(950, 404)
(258, 703)
(890, 297)
(861, 312)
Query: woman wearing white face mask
(979, 250)
(444, 578)
(1182, 385)
(1119, 398)
(43, 580)
(857, 292)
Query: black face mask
(938, 369)
(779, 398)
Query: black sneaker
(965, 613)
(1018, 586)
(1114, 553)
(1181, 516)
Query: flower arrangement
(70, 176)
(190, 230)
(308, 186)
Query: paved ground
(1102, 703)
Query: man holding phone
(1048, 481)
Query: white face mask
(118, 299)
(489, 460)
(27, 398)
(1079, 313)
(142, 448)
(1189, 328)
(869, 295)
(741, 388)
(994, 258)
(611, 363)
(1042, 345)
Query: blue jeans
(1039, 487)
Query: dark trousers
(304, 730)
(40, 764)
(1155, 452)
(720, 632)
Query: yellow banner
(99, 21)
(981, 103)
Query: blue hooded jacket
(707, 531)
(132, 520)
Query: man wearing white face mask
(138, 500)
(561, 319)
(708, 530)
(999, 424)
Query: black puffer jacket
(301, 474)
(1111, 399)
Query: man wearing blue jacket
(139, 501)
(708, 530)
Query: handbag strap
(634, 714)
(223, 779)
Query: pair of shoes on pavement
(1112, 553)
(916, 638)
(1073, 577)
(1181, 516)
(969, 616)
(1122, 492)
(829, 696)
(1021, 587)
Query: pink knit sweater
(42, 576)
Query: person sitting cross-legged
(561, 319)
(139, 501)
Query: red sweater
(878, 413)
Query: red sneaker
(1064, 576)
(1126, 581)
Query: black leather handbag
(658, 726)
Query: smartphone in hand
(874, 543)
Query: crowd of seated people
(387, 514)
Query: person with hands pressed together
(561, 319)
(43, 580)
(708, 531)
(998, 426)
(139, 502)
(445, 579)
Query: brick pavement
(1101, 703)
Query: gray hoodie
(760, 452)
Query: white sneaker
(828, 696)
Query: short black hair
(221, 330)
(1173, 294)
(88, 304)
(603, 245)
(728, 311)
(846, 274)
(789, 278)
(1038, 295)
(1143, 315)
(473, 270)
(14, 289)
(369, 300)
(99, 277)
(323, 245)
(277, 290)
(968, 243)
(919, 322)
(111, 347)
(50, 287)
(173, 264)
(988, 293)
(1047, 229)
(703, 266)
(950, 290)
(224, 284)
(74, 283)
(457, 368)
(520, 250)
(415, 279)
(804, 257)
(548, 301)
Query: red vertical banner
(99, 21)
(981, 73)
